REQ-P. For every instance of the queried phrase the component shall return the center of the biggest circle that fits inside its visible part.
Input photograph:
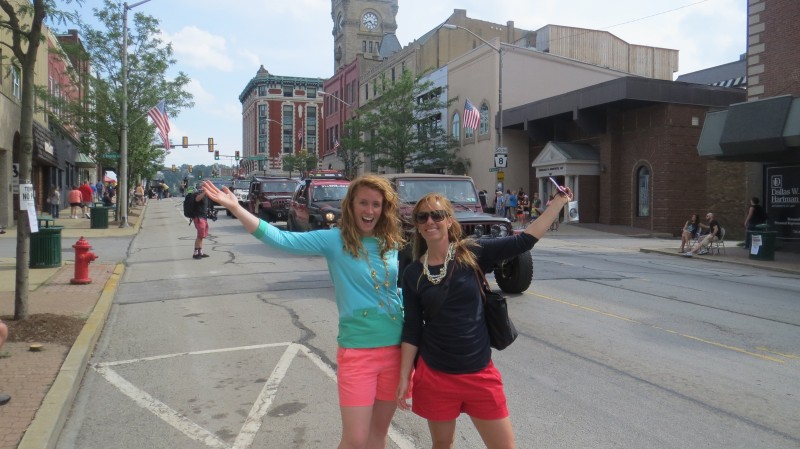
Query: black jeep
(512, 275)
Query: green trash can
(99, 217)
(45, 247)
(762, 243)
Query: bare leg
(356, 422)
(442, 434)
(495, 433)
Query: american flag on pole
(472, 118)
(336, 144)
(300, 137)
(158, 114)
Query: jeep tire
(515, 275)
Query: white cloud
(202, 97)
(200, 49)
(252, 58)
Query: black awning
(759, 131)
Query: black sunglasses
(437, 215)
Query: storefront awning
(84, 161)
(758, 131)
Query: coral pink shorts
(202, 227)
(439, 396)
(367, 374)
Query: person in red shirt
(86, 197)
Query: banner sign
(783, 201)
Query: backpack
(189, 206)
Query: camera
(211, 214)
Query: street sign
(500, 160)
(256, 158)
(493, 169)
(501, 150)
(110, 155)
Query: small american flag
(472, 118)
(158, 114)
(300, 137)
(336, 144)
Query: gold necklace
(436, 279)
(374, 276)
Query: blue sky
(221, 45)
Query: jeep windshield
(329, 193)
(241, 184)
(456, 190)
(278, 187)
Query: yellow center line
(691, 337)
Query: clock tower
(359, 26)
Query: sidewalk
(43, 384)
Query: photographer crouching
(202, 212)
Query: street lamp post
(499, 51)
(122, 184)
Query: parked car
(268, 198)
(512, 275)
(240, 188)
(317, 202)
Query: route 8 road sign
(500, 160)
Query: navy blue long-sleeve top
(455, 339)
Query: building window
(262, 91)
(484, 126)
(288, 127)
(370, 47)
(262, 110)
(455, 131)
(643, 191)
(311, 129)
(15, 78)
(469, 133)
(288, 90)
(366, 91)
(311, 92)
(363, 46)
(262, 146)
(393, 75)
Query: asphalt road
(617, 349)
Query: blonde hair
(436, 201)
(387, 229)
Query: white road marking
(252, 423)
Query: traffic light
(216, 155)
(236, 156)
(186, 141)
(210, 144)
(174, 168)
(190, 169)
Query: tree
(402, 129)
(350, 147)
(149, 58)
(23, 21)
(303, 161)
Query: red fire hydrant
(82, 259)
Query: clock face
(370, 20)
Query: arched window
(455, 130)
(643, 191)
(484, 126)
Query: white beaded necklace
(436, 279)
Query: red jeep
(317, 203)
(269, 198)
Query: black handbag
(501, 330)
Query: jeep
(240, 188)
(317, 202)
(512, 275)
(268, 198)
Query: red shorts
(202, 227)
(367, 374)
(439, 396)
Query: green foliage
(402, 129)
(303, 161)
(149, 59)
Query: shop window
(455, 130)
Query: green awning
(83, 160)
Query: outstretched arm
(227, 199)
(539, 227)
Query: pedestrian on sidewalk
(4, 398)
(445, 341)
(714, 233)
(74, 198)
(362, 261)
(87, 193)
(755, 216)
(54, 199)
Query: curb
(744, 262)
(46, 427)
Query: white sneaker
(703, 251)
(87, 215)
(688, 254)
